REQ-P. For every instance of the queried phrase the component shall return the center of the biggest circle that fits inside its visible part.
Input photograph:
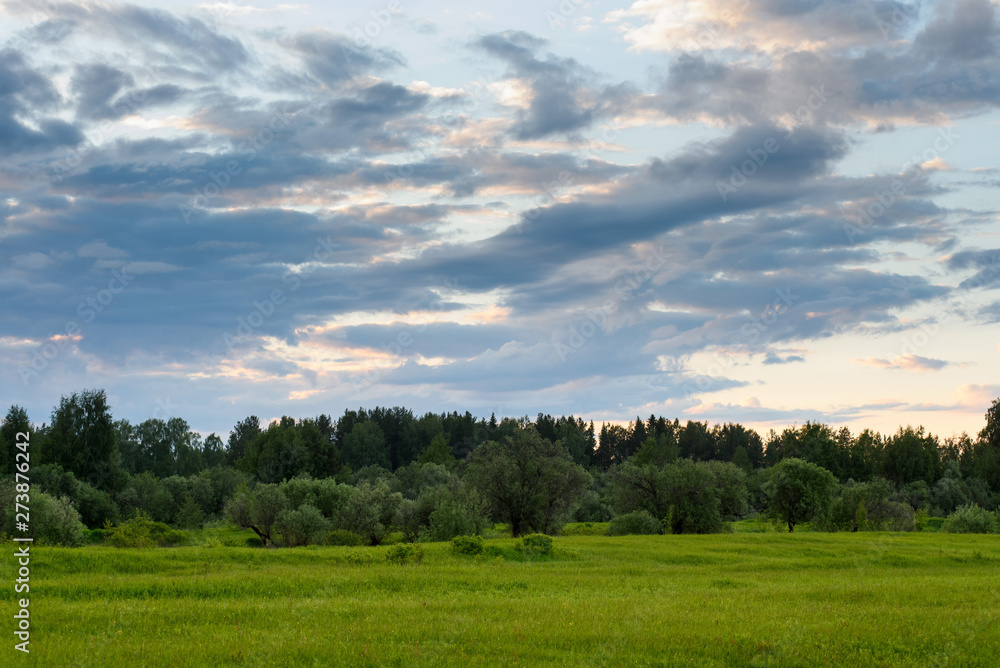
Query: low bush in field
(534, 544)
(143, 532)
(585, 529)
(971, 519)
(405, 553)
(471, 545)
(342, 537)
(638, 523)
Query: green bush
(971, 519)
(303, 526)
(141, 532)
(403, 553)
(471, 545)
(54, 521)
(638, 523)
(342, 537)
(535, 544)
(585, 529)
(492, 552)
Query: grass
(740, 599)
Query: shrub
(54, 521)
(535, 544)
(403, 553)
(190, 515)
(141, 531)
(585, 529)
(303, 526)
(492, 552)
(971, 519)
(638, 523)
(342, 537)
(471, 545)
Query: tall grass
(742, 599)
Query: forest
(372, 473)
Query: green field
(742, 599)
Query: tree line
(434, 476)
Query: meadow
(738, 599)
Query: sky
(759, 211)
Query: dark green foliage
(240, 438)
(95, 506)
(527, 481)
(371, 511)
(405, 553)
(971, 519)
(438, 452)
(637, 523)
(911, 454)
(470, 545)
(287, 449)
(303, 526)
(365, 445)
(342, 537)
(686, 494)
(141, 531)
(15, 422)
(257, 510)
(799, 491)
(145, 494)
(81, 439)
(534, 545)
(868, 507)
(53, 520)
(190, 515)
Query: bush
(585, 529)
(54, 521)
(471, 545)
(143, 532)
(342, 537)
(303, 526)
(638, 523)
(534, 544)
(403, 553)
(971, 519)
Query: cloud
(907, 362)
(560, 95)
(100, 249)
(334, 58)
